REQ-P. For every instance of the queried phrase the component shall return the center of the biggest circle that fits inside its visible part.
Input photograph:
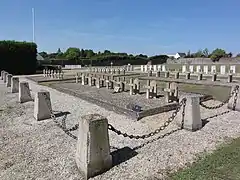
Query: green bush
(18, 57)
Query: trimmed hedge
(18, 57)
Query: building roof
(39, 57)
(181, 54)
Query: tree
(230, 54)
(72, 53)
(59, 51)
(43, 54)
(199, 53)
(89, 53)
(205, 52)
(217, 54)
(238, 55)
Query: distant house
(39, 57)
(177, 55)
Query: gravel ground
(41, 150)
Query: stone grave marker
(222, 69)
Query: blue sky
(133, 26)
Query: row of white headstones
(223, 69)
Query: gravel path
(41, 150)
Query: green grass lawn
(222, 164)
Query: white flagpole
(33, 24)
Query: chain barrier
(63, 125)
(161, 128)
(235, 91)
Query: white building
(177, 55)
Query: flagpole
(33, 24)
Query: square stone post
(9, 78)
(93, 148)
(15, 85)
(192, 117)
(24, 92)
(42, 105)
(83, 79)
(2, 74)
(5, 77)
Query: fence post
(93, 149)
(24, 92)
(15, 85)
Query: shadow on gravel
(205, 120)
(121, 155)
(59, 114)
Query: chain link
(161, 128)
(63, 125)
(235, 91)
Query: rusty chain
(63, 125)
(235, 91)
(161, 128)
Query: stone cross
(149, 73)
(171, 92)
(167, 74)
(187, 75)
(200, 76)
(176, 75)
(214, 77)
(158, 74)
(230, 78)
(151, 89)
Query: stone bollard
(24, 92)
(158, 74)
(187, 75)
(42, 105)
(15, 85)
(93, 149)
(9, 78)
(230, 78)
(232, 104)
(166, 74)
(149, 73)
(200, 76)
(192, 117)
(2, 74)
(5, 77)
(177, 75)
(214, 77)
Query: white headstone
(223, 69)
(42, 105)
(205, 69)
(154, 67)
(191, 68)
(198, 69)
(150, 67)
(142, 68)
(159, 67)
(146, 68)
(184, 68)
(213, 69)
(163, 68)
(233, 69)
